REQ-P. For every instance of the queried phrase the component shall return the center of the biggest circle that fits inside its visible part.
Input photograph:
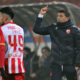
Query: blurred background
(36, 45)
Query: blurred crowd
(37, 67)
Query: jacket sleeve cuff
(40, 16)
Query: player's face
(1, 19)
(62, 18)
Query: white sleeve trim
(40, 15)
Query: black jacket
(64, 41)
(43, 72)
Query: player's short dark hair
(67, 14)
(7, 10)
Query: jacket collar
(65, 24)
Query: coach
(64, 44)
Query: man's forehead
(61, 14)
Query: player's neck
(9, 20)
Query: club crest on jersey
(68, 31)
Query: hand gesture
(44, 10)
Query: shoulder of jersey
(9, 24)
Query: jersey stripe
(13, 65)
(22, 65)
(9, 65)
(19, 61)
(16, 65)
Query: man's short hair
(47, 48)
(67, 14)
(8, 11)
(27, 49)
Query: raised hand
(44, 10)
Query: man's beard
(2, 24)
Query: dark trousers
(59, 70)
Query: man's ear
(5, 19)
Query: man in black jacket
(65, 44)
(43, 71)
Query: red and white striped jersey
(2, 49)
(14, 35)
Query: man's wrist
(40, 15)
